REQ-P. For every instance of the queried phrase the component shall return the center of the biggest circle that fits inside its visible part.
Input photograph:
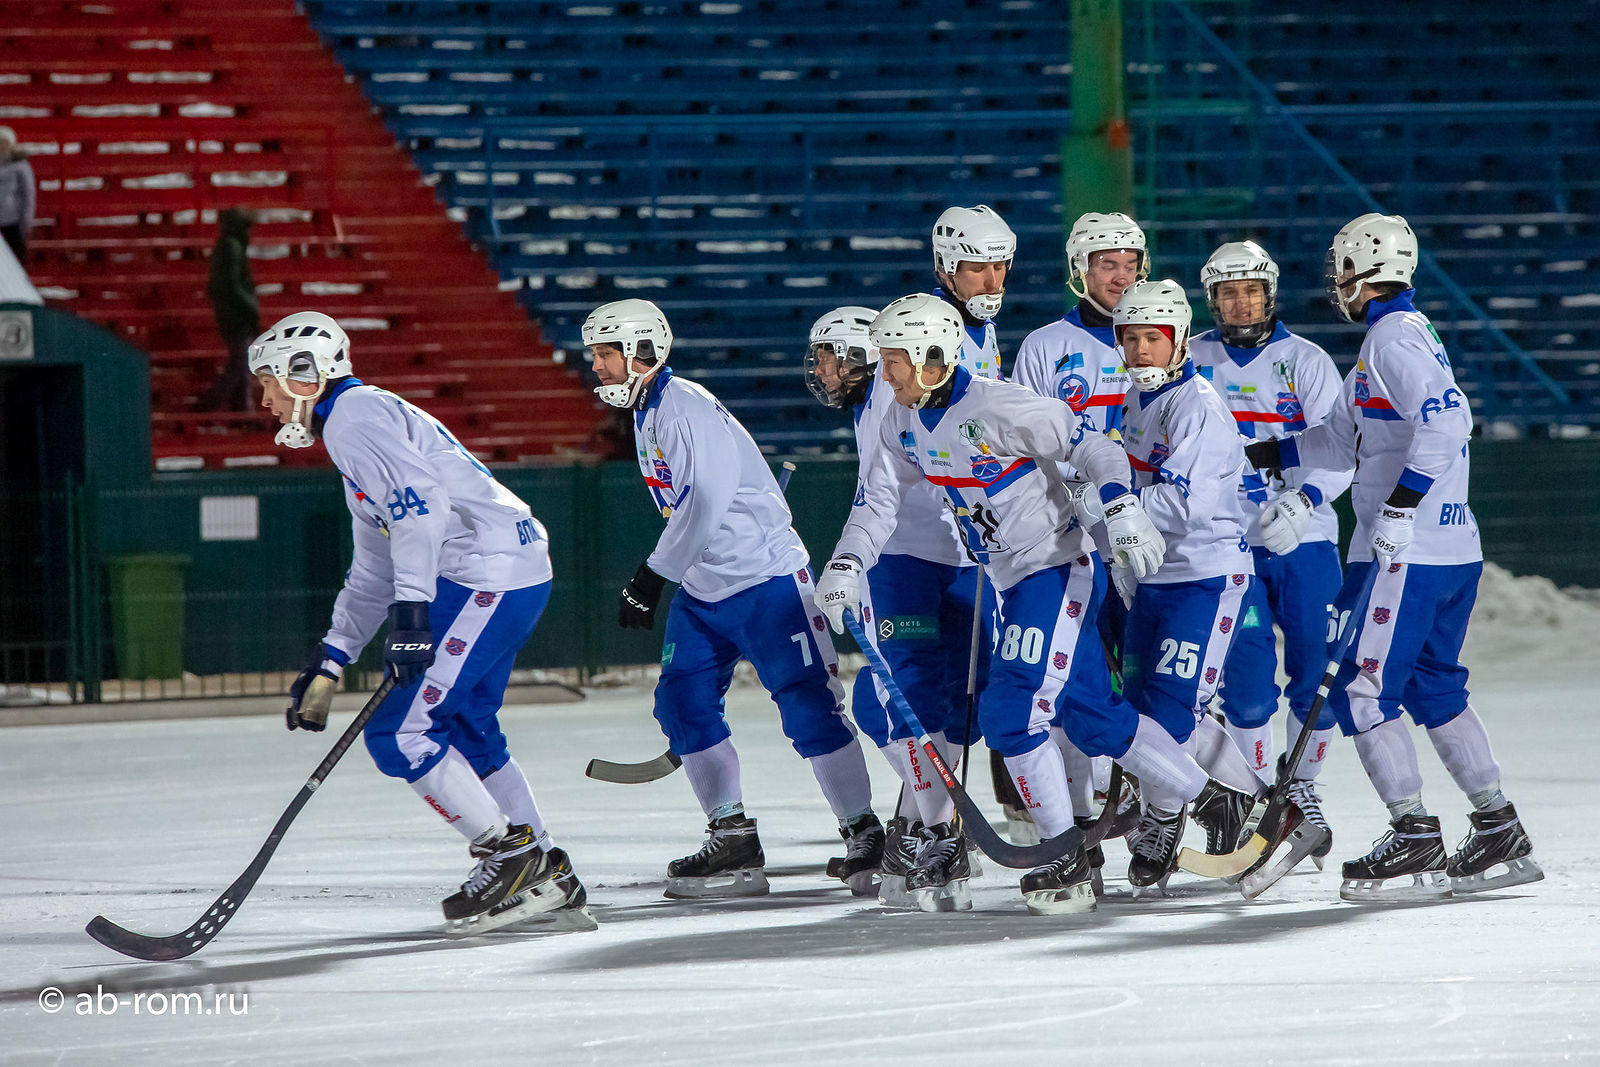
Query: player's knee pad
(407, 755)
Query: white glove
(1284, 520)
(840, 588)
(1135, 541)
(1125, 583)
(1392, 532)
(1086, 506)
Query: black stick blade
(633, 773)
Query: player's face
(1109, 275)
(826, 367)
(280, 401)
(1145, 346)
(902, 376)
(1242, 303)
(610, 365)
(979, 279)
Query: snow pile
(1529, 614)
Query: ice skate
(939, 879)
(1155, 847)
(1497, 840)
(1064, 887)
(1297, 839)
(1222, 811)
(514, 880)
(1127, 814)
(1096, 855)
(1303, 791)
(974, 855)
(899, 856)
(1407, 863)
(729, 864)
(863, 853)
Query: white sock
(842, 774)
(1255, 744)
(1390, 761)
(1220, 757)
(1316, 752)
(948, 751)
(1080, 773)
(1463, 747)
(451, 788)
(1041, 780)
(923, 795)
(714, 775)
(509, 788)
(1168, 778)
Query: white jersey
(1187, 460)
(1403, 421)
(728, 527)
(927, 526)
(1280, 388)
(422, 508)
(984, 451)
(1077, 364)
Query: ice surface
(340, 952)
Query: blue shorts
(919, 617)
(1296, 592)
(1177, 639)
(476, 638)
(777, 627)
(1407, 654)
(1047, 667)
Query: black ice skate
(1411, 854)
(938, 880)
(863, 854)
(513, 881)
(729, 864)
(1497, 840)
(1222, 811)
(1064, 887)
(1155, 847)
(899, 856)
(1096, 855)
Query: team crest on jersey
(483, 600)
(1289, 406)
(1043, 705)
(866, 613)
(1083, 561)
(1211, 675)
(1394, 568)
(1380, 615)
(1160, 452)
(1059, 661)
(431, 694)
(833, 669)
(1074, 608)
(986, 466)
(1363, 390)
(1370, 666)
(1075, 391)
(663, 472)
(455, 646)
(1226, 624)
(803, 575)
(1238, 579)
(816, 622)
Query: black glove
(311, 695)
(408, 652)
(636, 610)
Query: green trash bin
(147, 614)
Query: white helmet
(846, 333)
(1160, 303)
(625, 323)
(307, 346)
(1373, 248)
(972, 235)
(928, 329)
(1093, 233)
(1242, 261)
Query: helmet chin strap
(295, 433)
(626, 394)
(929, 390)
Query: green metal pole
(1096, 155)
